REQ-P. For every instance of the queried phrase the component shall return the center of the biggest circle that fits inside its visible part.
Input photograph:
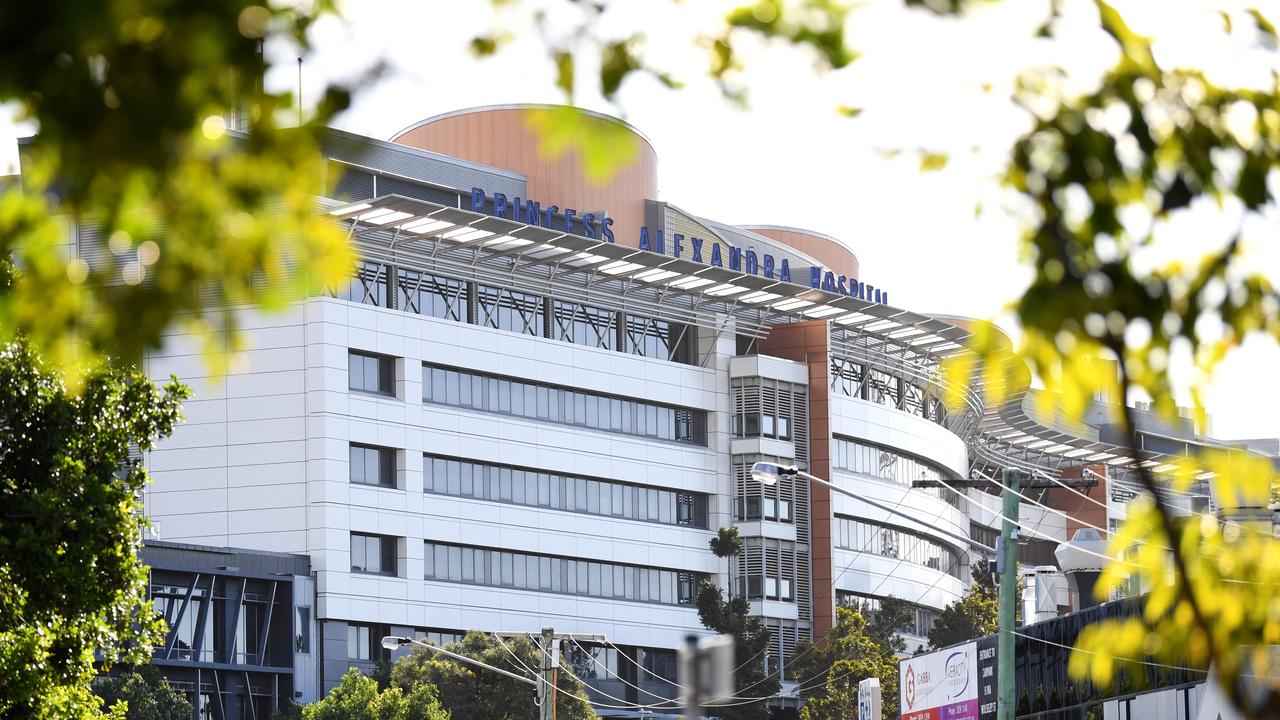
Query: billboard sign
(941, 685)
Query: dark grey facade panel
(412, 164)
(205, 559)
(350, 184)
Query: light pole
(767, 473)
(394, 642)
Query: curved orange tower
(502, 136)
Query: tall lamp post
(769, 473)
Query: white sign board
(941, 685)
(869, 700)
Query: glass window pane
(357, 464)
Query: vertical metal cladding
(502, 137)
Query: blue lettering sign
(532, 213)
(750, 262)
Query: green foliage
(727, 544)
(973, 616)
(853, 652)
(751, 642)
(146, 694)
(883, 623)
(357, 697)
(602, 145)
(1106, 174)
(472, 692)
(132, 100)
(70, 579)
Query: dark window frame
(386, 373)
(387, 466)
(386, 554)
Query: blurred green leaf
(931, 161)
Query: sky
(940, 242)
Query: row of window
(894, 542)
(755, 501)
(538, 401)
(767, 587)
(502, 483)
(881, 462)
(764, 407)
(919, 623)
(519, 312)
(588, 661)
(480, 566)
(595, 662)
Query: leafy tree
(830, 673)
(751, 642)
(468, 691)
(357, 697)
(133, 101)
(1107, 175)
(727, 544)
(71, 583)
(885, 622)
(973, 616)
(146, 694)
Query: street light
(395, 642)
(767, 473)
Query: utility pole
(1008, 562)
(550, 645)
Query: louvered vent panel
(800, 422)
(384, 185)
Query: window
(887, 541)
(767, 408)
(359, 642)
(373, 466)
(459, 388)
(506, 309)
(371, 373)
(303, 642)
(546, 573)
(887, 464)
(373, 554)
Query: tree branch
(1166, 520)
